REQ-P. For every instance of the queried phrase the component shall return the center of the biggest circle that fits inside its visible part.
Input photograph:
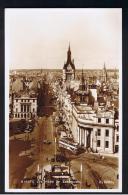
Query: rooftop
(84, 108)
(105, 114)
(25, 95)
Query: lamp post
(96, 140)
(55, 149)
(25, 142)
(41, 177)
(52, 128)
(37, 174)
(81, 171)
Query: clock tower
(69, 68)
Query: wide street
(29, 155)
(36, 155)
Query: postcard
(63, 119)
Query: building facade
(24, 107)
(116, 145)
(95, 131)
(89, 111)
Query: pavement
(17, 163)
(116, 155)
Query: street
(93, 167)
(30, 154)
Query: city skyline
(39, 38)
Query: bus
(69, 145)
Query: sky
(39, 38)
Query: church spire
(83, 90)
(105, 73)
(115, 73)
(69, 54)
(69, 47)
(104, 66)
(82, 77)
(82, 84)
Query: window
(33, 109)
(99, 120)
(16, 109)
(107, 120)
(24, 108)
(117, 138)
(21, 108)
(117, 128)
(18, 116)
(16, 100)
(98, 132)
(33, 100)
(116, 148)
(107, 144)
(98, 143)
(21, 100)
(27, 108)
(107, 132)
(28, 100)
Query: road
(21, 163)
(99, 173)
(42, 152)
(94, 171)
(95, 174)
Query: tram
(69, 145)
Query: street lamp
(39, 176)
(55, 149)
(25, 142)
(81, 171)
(96, 140)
